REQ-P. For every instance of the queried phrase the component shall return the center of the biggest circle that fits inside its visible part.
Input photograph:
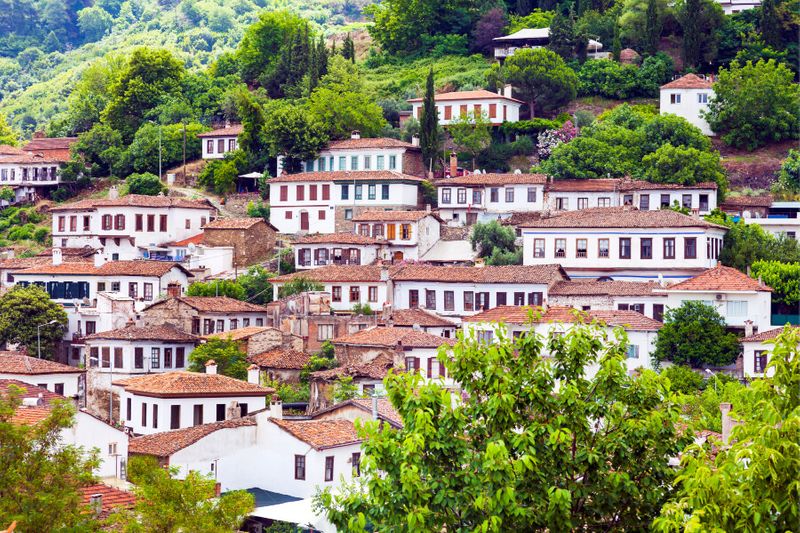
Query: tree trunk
(532, 108)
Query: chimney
(276, 407)
(96, 503)
(453, 165)
(374, 407)
(58, 257)
(387, 312)
(427, 208)
(696, 213)
(384, 273)
(253, 375)
(173, 290)
(355, 135)
(727, 421)
(211, 367)
(507, 91)
(415, 140)
(113, 192)
(38, 134)
(748, 328)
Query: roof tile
(766, 335)
(370, 142)
(19, 363)
(610, 288)
(282, 358)
(482, 180)
(720, 278)
(689, 81)
(630, 320)
(233, 223)
(480, 94)
(166, 443)
(545, 274)
(165, 333)
(339, 238)
(346, 175)
(402, 216)
(620, 217)
(391, 337)
(136, 200)
(320, 434)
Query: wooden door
(304, 221)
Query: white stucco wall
(757, 307)
(90, 432)
(690, 106)
(70, 381)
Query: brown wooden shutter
(430, 367)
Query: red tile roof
(34, 414)
(744, 200)
(194, 239)
(482, 180)
(238, 334)
(420, 317)
(219, 304)
(113, 498)
(480, 94)
(391, 216)
(281, 358)
(689, 81)
(543, 274)
(588, 185)
(720, 278)
(165, 333)
(49, 143)
(22, 263)
(166, 443)
(78, 253)
(339, 238)
(630, 320)
(370, 142)
(228, 131)
(620, 217)
(135, 200)
(182, 384)
(641, 185)
(138, 267)
(610, 288)
(333, 273)
(345, 176)
(375, 369)
(386, 410)
(320, 434)
(392, 337)
(766, 335)
(233, 223)
(10, 154)
(19, 363)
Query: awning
(298, 512)
(253, 175)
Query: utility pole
(184, 153)
(159, 151)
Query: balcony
(603, 253)
(581, 253)
(561, 253)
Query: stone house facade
(253, 239)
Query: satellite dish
(192, 247)
(517, 171)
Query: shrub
(40, 235)
(145, 183)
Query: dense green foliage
(782, 278)
(298, 285)
(694, 334)
(495, 243)
(231, 360)
(217, 287)
(744, 244)
(23, 310)
(471, 133)
(429, 135)
(610, 79)
(148, 184)
(541, 78)
(789, 176)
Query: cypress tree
(322, 56)
(690, 21)
(562, 35)
(429, 127)
(652, 30)
(616, 45)
(769, 25)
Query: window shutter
(442, 370)
(410, 227)
(416, 364)
(430, 367)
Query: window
(633, 351)
(509, 195)
(449, 301)
(117, 357)
(412, 364)
(326, 192)
(519, 298)
(561, 247)
(379, 164)
(356, 462)
(336, 293)
(392, 162)
(690, 247)
(665, 201)
(87, 222)
(167, 357)
(299, 467)
(180, 357)
(562, 204)
(312, 193)
(133, 289)
(371, 191)
(430, 299)
(604, 202)
(703, 202)
(106, 222)
(462, 196)
(686, 201)
(155, 358)
(535, 298)
(155, 415)
(138, 358)
(355, 293)
(198, 415)
(144, 414)
(531, 194)
(329, 467)
(603, 247)
(128, 409)
(702, 98)
(345, 192)
(243, 409)
(675, 98)
(646, 248)
(413, 298)
(669, 248)
(494, 195)
(162, 223)
(106, 360)
(359, 191)
(627, 199)
(476, 196)
(500, 298)
(405, 232)
(469, 301)
(385, 191)
(151, 222)
(62, 224)
(73, 223)
(624, 248)
(639, 308)
(58, 388)
(324, 332)
(644, 202)
(342, 162)
(175, 417)
(446, 195)
(658, 312)
(737, 308)
(538, 247)
(581, 248)
(220, 412)
(91, 327)
(148, 291)
(220, 325)
(354, 162)
(348, 214)
(377, 230)
(759, 361)
(486, 336)
(583, 203)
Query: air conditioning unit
(719, 297)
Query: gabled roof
(620, 217)
(234, 223)
(137, 267)
(392, 216)
(345, 176)
(29, 415)
(689, 81)
(320, 434)
(281, 358)
(370, 142)
(214, 304)
(182, 384)
(393, 337)
(49, 143)
(542, 274)
(113, 498)
(228, 131)
(20, 363)
(588, 185)
(135, 200)
(642, 185)
(239, 333)
(743, 200)
(333, 273)
(721, 279)
(509, 314)
(480, 94)
(386, 410)
(11, 154)
(610, 288)
(194, 239)
(374, 369)
(164, 333)
(339, 238)
(419, 317)
(766, 335)
(483, 180)
(166, 443)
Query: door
(472, 218)
(303, 220)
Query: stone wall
(252, 245)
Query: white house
(217, 143)
(623, 243)
(757, 351)
(688, 97)
(87, 431)
(419, 319)
(456, 292)
(409, 234)
(549, 321)
(106, 311)
(736, 296)
(312, 251)
(729, 7)
(123, 228)
(357, 153)
(204, 315)
(506, 45)
(482, 197)
(495, 107)
(173, 400)
(27, 173)
(326, 202)
(609, 295)
(58, 378)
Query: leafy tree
(260, 47)
(94, 22)
(429, 138)
(755, 104)
(541, 77)
(22, 310)
(256, 285)
(345, 389)
(652, 28)
(700, 20)
(789, 175)
(471, 133)
(231, 360)
(349, 48)
(492, 239)
(7, 193)
(166, 503)
(253, 139)
(217, 287)
(683, 379)
(362, 309)
(529, 443)
(686, 166)
(489, 26)
(40, 476)
(641, 23)
(751, 484)
(535, 19)
(562, 35)
(258, 210)
(744, 244)
(298, 285)
(782, 278)
(146, 183)
(674, 130)
(91, 93)
(51, 43)
(694, 334)
(142, 155)
(429, 193)
(616, 44)
(7, 135)
(769, 24)
(294, 133)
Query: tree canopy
(541, 77)
(22, 310)
(496, 243)
(694, 334)
(231, 360)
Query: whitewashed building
(326, 202)
(592, 295)
(409, 234)
(106, 311)
(729, 7)
(55, 377)
(494, 107)
(483, 197)
(28, 173)
(204, 315)
(526, 38)
(312, 251)
(217, 143)
(757, 352)
(688, 97)
(623, 243)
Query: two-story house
(608, 295)
(216, 143)
(204, 315)
(27, 173)
(357, 153)
(409, 234)
(482, 197)
(688, 97)
(312, 251)
(495, 107)
(326, 202)
(124, 227)
(623, 243)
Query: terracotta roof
(11, 154)
(611, 288)
(519, 218)
(587, 185)
(481, 180)
(386, 410)
(480, 94)
(375, 369)
(421, 317)
(339, 238)
(165, 333)
(370, 142)
(228, 131)
(766, 335)
(320, 434)
(641, 185)
(545, 274)
(345, 176)
(113, 498)
(22, 263)
(194, 239)
(182, 384)
(620, 217)
(283, 358)
(220, 304)
(720, 278)
(390, 216)
(6, 149)
(391, 337)
(689, 81)
(19, 363)
(628, 55)
(30, 415)
(233, 223)
(49, 143)
(630, 320)
(166, 443)
(332, 273)
(138, 267)
(135, 200)
(70, 252)
(744, 200)
(238, 334)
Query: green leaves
(694, 334)
(22, 309)
(541, 77)
(231, 360)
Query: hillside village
(391, 267)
